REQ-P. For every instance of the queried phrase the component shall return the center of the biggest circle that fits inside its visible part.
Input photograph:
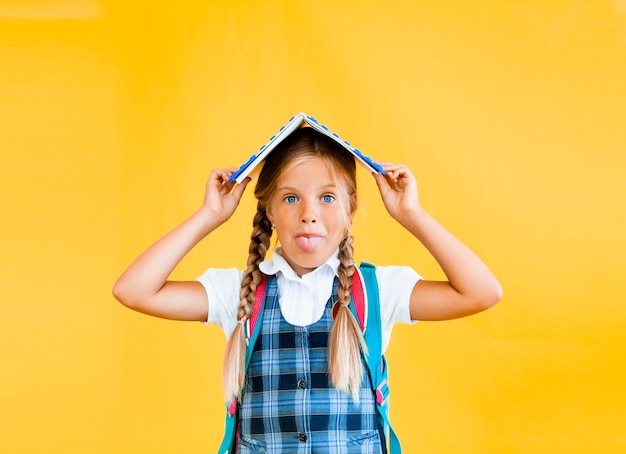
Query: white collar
(277, 264)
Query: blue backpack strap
(376, 362)
(256, 318)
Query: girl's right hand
(145, 285)
(221, 198)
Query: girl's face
(310, 211)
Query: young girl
(305, 389)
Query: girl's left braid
(346, 339)
(346, 270)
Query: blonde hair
(346, 339)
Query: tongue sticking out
(308, 243)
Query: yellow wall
(511, 114)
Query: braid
(346, 339)
(259, 244)
(235, 352)
(346, 270)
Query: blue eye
(291, 199)
(328, 198)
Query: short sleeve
(395, 284)
(222, 288)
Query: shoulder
(222, 288)
(217, 274)
(395, 286)
(221, 279)
(396, 275)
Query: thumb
(381, 182)
(240, 188)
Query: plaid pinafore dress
(289, 404)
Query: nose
(308, 213)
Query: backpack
(365, 306)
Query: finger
(219, 175)
(396, 168)
(382, 183)
(238, 191)
(398, 172)
(391, 168)
(218, 181)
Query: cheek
(341, 223)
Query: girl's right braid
(259, 244)
(235, 352)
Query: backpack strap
(257, 314)
(359, 299)
(228, 443)
(376, 362)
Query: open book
(294, 123)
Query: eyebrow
(293, 188)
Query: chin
(308, 265)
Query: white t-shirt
(303, 299)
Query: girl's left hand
(398, 190)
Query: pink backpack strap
(358, 297)
(259, 295)
(359, 300)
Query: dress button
(302, 384)
(302, 437)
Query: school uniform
(288, 403)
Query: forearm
(148, 274)
(470, 288)
(466, 272)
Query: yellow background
(510, 113)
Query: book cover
(294, 123)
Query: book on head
(294, 123)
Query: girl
(304, 389)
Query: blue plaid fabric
(289, 404)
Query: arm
(145, 287)
(471, 287)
